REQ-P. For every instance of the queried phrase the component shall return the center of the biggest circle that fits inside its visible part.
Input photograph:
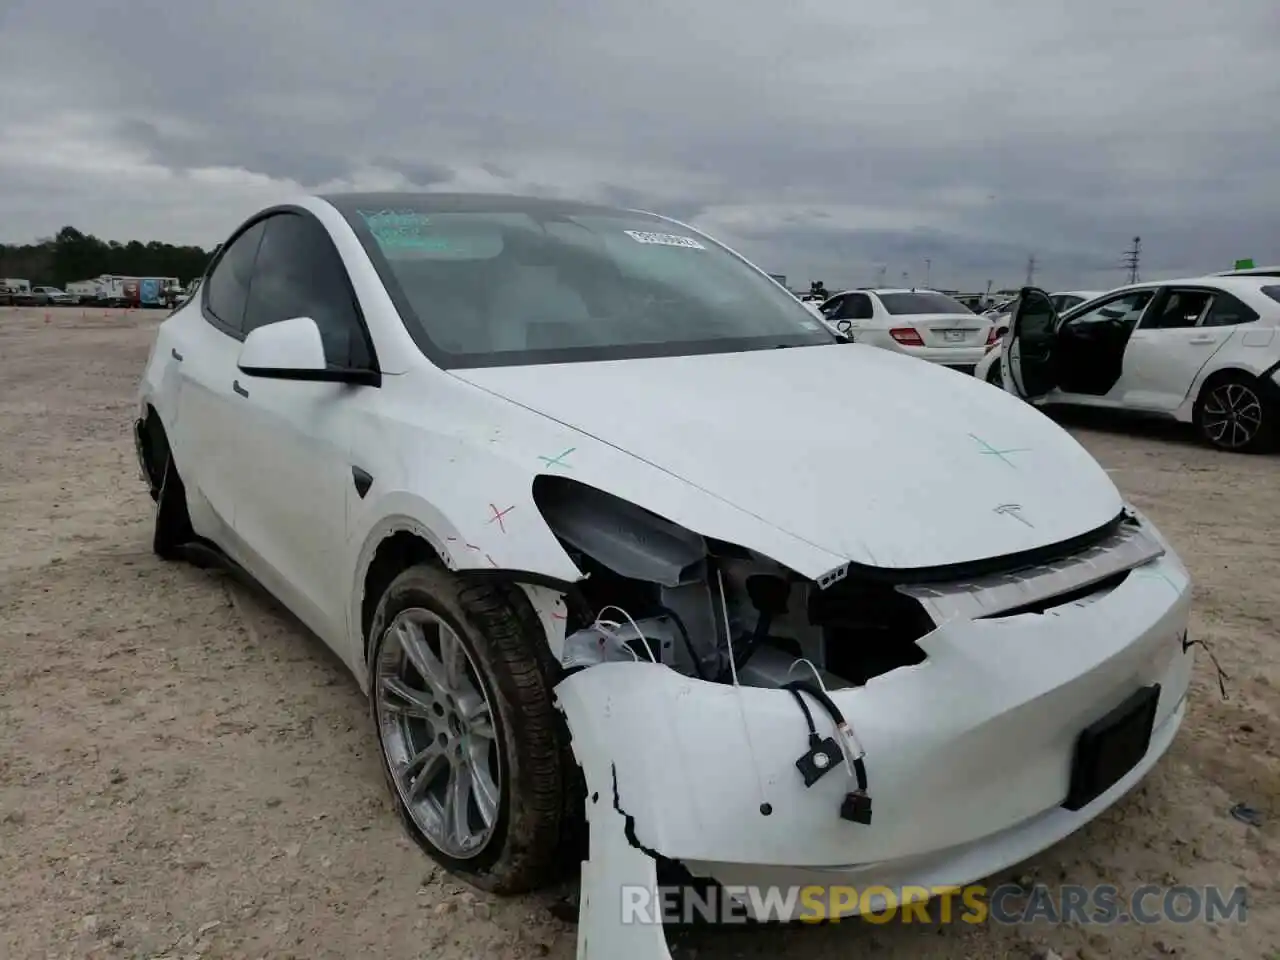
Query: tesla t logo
(1014, 510)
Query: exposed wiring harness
(610, 629)
(686, 639)
(856, 805)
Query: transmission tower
(1031, 269)
(1131, 259)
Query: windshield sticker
(664, 239)
(402, 230)
(406, 234)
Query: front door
(295, 436)
(1027, 366)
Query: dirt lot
(185, 772)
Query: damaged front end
(870, 726)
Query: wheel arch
(153, 439)
(402, 540)
(1220, 374)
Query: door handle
(235, 385)
(175, 354)
(1202, 340)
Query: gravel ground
(185, 772)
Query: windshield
(921, 302)
(513, 281)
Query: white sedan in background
(1203, 351)
(920, 323)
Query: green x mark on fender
(988, 449)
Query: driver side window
(299, 273)
(1126, 308)
(227, 288)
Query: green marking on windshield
(403, 229)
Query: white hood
(879, 458)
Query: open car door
(1027, 367)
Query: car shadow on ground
(1163, 429)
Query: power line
(1131, 259)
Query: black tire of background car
(1264, 439)
(994, 377)
(535, 841)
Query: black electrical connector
(856, 806)
(823, 753)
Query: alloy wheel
(1232, 415)
(437, 729)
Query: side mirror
(293, 350)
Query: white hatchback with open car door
(1201, 351)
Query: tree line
(73, 255)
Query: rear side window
(1273, 292)
(299, 273)
(227, 288)
(1227, 311)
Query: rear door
(1173, 341)
(205, 354)
(1027, 366)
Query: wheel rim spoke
(457, 805)
(453, 668)
(399, 697)
(418, 774)
(474, 710)
(483, 789)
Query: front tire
(461, 702)
(1232, 414)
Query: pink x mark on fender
(499, 514)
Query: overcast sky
(823, 138)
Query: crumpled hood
(883, 459)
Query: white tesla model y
(545, 478)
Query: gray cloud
(821, 139)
